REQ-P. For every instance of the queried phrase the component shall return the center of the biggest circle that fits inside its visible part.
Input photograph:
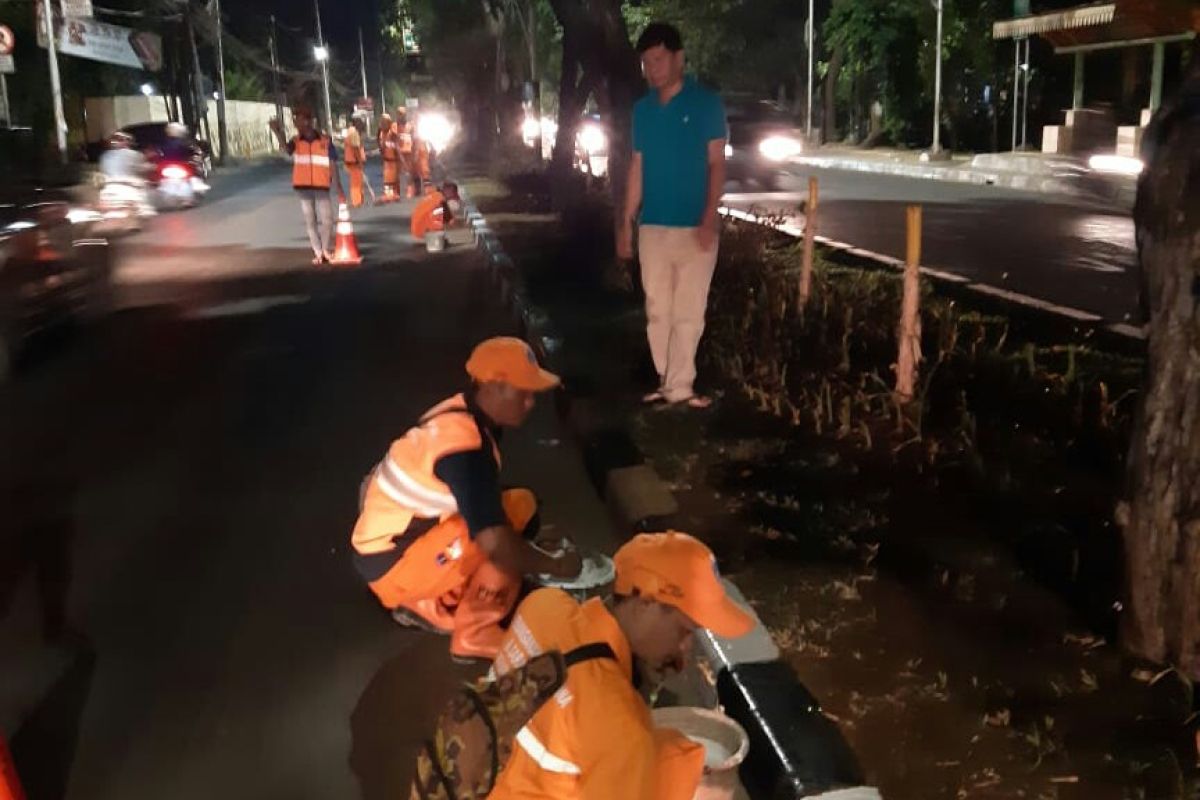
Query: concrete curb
(795, 751)
(1075, 315)
(966, 173)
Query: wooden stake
(909, 355)
(810, 232)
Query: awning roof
(1112, 24)
(1080, 17)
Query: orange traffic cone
(345, 250)
(10, 786)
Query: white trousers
(317, 208)
(676, 274)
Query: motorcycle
(122, 205)
(177, 185)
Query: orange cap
(507, 359)
(679, 570)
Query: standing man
(438, 540)
(356, 160)
(314, 172)
(389, 151)
(676, 178)
(404, 139)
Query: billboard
(99, 41)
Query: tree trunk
(1161, 517)
(829, 121)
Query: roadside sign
(365, 104)
(7, 40)
(99, 41)
(7, 66)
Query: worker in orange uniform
(314, 173)
(355, 158)
(389, 152)
(437, 540)
(596, 740)
(436, 211)
(404, 135)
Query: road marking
(250, 305)
(1079, 315)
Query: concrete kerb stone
(795, 750)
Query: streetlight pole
(362, 61)
(1016, 97)
(275, 74)
(1025, 95)
(937, 83)
(811, 36)
(323, 57)
(222, 130)
(60, 119)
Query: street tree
(1160, 516)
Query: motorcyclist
(125, 168)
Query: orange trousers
(356, 184)
(391, 178)
(439, 564)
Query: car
(763, 136)
(53, 266)
(152, 138)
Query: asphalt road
(178, 615)
(1075, 254)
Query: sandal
(697, 401)
(654, 397)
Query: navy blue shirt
(673, 141)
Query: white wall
(249, 134)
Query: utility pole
(60, 119)
(222, 131)
(362, 61)
(808, 115)
(324, 65)
(275, 73)
(1025, 95)
(1016, 98)
(4, 99)
(201, 105)
(382, 92)
(937, 82)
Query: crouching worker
(595, 738)
(437, 211)
(437, 540)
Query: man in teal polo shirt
(675, 179)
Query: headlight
(592, 139)
(780, 148)
(529, 130)
(1117, 165)
(436, 129)
(728, 151)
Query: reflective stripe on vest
(311, 167)
(408, 492)
(544, 758)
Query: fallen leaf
(1088, 680)
(1000, 719)
(1065, 779)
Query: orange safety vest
(310, 163)
(403, 487)
(406, 138)
(387, 144)
(596, 738)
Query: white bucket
(435, 241)
(725, 746)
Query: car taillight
(174, 172)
